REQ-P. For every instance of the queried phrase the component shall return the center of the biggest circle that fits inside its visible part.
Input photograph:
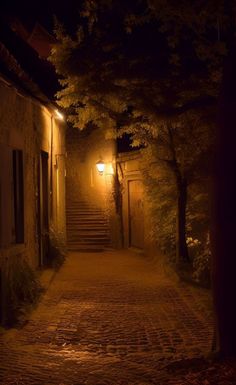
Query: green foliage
(22, 290)
(178, 150)
(152, 59)
(57, 250)
(198, 212)
(202, 264)
(161, 199)
(198, 223)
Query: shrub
(57, 250)
(22, 290)
(202, 264)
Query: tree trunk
(224, 216)
(181, 246)
(181, 185)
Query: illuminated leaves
(148, 55)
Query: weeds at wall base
(56, 251)
(187, 273)
(23, 290)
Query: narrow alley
(108, 318)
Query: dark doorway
(18, 197)
(1, 299)
(136, 217)
(43, 209)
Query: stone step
(88, 234)
(86, 248)
(85, 208)
(84, 215)
(92, 232)
(87, 227)
(71, 237)
(72, 202)
(83, 218)
(75, 213)
(80, 207)
(90, 224)
(84, 239)
(86, 218)
(87, 237)
(87, 242)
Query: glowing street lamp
(100, 166)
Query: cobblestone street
(108, 318)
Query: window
(18, 197)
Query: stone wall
(26, 125)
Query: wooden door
(136, 216)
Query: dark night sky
(29, 13)
(42, 11)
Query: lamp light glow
(100, 166)
(59, 115)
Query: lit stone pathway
(108, 318)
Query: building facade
(32, 170)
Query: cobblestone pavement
(108, 318)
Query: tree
(129, 64)
(176, 147)
(113, 80)
(111, 63)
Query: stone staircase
(87, 227)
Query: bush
(202, 264)
(22, 291)
(57, 250)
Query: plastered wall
(26, 124)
